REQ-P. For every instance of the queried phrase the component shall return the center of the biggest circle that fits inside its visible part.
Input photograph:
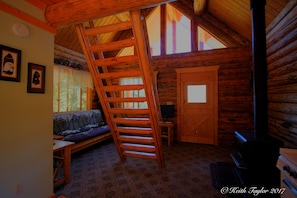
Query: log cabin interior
(241, 53)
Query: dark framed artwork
(36, 78)
(10, 63)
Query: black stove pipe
(259, 68)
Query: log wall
(72, 56)
(235, 91)
(282, 75)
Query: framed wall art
(36, 78)
(10, 63)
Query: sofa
(84, 128)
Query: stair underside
(135, 130)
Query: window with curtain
(72, 89)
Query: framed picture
(36, 78)
(10, 64)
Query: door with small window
(197, 94)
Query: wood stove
(255, 158)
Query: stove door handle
(290, 186)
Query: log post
(259, 68)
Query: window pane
(178, 31)
(207, 41)
(154, 31)
(196, 93)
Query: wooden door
(197, 105)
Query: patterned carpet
(98, 173)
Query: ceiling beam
(77, 11)
(199, 7)
(37, 3)
(26, 17)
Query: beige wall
(26, 118)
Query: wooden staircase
(135, 130)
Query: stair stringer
(140, 33)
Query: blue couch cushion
(92, 132)
(61, 124)
(65, 123)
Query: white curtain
(71, 89)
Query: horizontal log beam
(77, 11)
(63, 52)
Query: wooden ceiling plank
(75, 11)
(26, 17)
(229, 37)
(235, 14)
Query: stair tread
(135, 130)
(122, 74)
(138, 145)
(132, 121)
(130, 128)
(109, 28)
(112, 45)
(116, 60)
(140, 119)
(128, 99)
(123, 87)
(128, 111)
(138, 148)
(135, 137)
(140, 154)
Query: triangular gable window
(207, 41)
(178, 33)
